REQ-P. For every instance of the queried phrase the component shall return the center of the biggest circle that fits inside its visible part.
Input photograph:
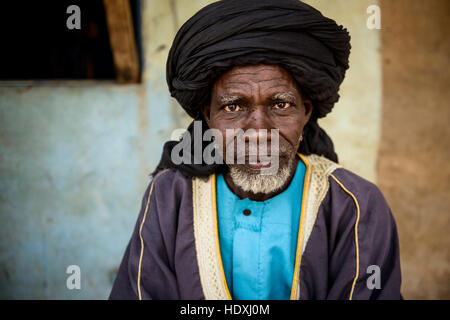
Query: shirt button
(247, 212)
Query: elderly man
(223, 230)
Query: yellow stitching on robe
(140, 233)
(356, 234)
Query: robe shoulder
(355, 233)
(170, 188)
(350, 188)
(161, 250)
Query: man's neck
(258, 196)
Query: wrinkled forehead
(251, 76)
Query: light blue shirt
(258, 250)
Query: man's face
(259, 97)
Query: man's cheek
(228, 147)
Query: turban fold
(229, 33)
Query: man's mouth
(256, 162)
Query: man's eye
(282, 105)
(232, 108)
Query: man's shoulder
(169, 175)
(360, 187)
(169, 182)
(345, 181)
(370, 203)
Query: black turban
(289, 33)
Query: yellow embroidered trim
(298, 255)
(140, 234)
(212, 276)
(315, 189)
(216, 228)
(356, 234)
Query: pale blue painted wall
(74, 163)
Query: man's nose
(258, 119)
(259, 125)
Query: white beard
(257, 183)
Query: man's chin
(255, 179)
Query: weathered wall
(414, 167)
(354, 123)
(72, 171)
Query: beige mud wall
(354, 123)
(414, 170)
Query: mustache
(260, 151)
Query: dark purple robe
(346, 233)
